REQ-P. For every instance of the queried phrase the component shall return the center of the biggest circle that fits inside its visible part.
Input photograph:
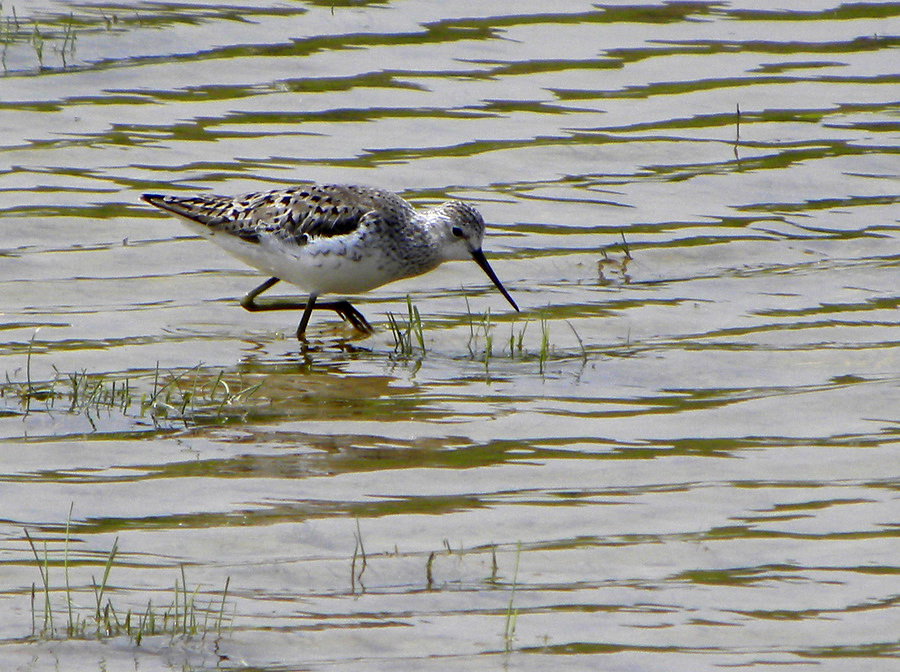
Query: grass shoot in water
(182, 618)
(405, 332)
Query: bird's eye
(456, 231)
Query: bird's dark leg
(349, 313)
(342, 308)
(304, 320)
(249, 301)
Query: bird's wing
(297, 214)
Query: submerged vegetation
(404, 332)
(55, 36)
(70, 601)
(484, 344)
(184, 616)
(159, 398)
(481, 342)
(512, 613)
(163, 399)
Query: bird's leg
(351, 314)
(342, 308)
(304, 320)
(249, 301)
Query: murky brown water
(683, 460)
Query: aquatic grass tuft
(57, 33)
(37, 43)
(28, 390)
(481, 342)
(480, 331)
(544, 352)
(190, 397)
(44, 569)
(516, 340)
(182, 618)
(512, 614)
(580, 342)
(488, 338)
(359, 551)
(101, 589)
(197, 403)
(625, 249)
(405, 332)
(68, 45)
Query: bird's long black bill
(480, 259)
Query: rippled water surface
(682, 454)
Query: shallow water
(682, 454)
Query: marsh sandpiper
(332, 239)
